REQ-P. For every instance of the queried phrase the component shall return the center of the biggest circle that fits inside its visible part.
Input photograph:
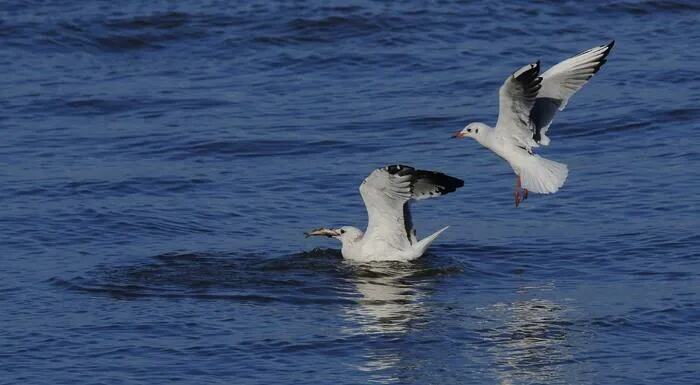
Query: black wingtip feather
(530, 74)
(444, 183)
(399, 169)
(603, 59)
(530, 80)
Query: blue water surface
(160, 162)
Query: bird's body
(390, 235)
(502, 146)
(534, 172)
(528, 102)
(368, 248)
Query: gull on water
(528, 102)
(390, 236)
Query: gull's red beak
(457, 135)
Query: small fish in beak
(322, 231)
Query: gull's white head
(345, 234)
(474, 130)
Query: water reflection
(389, 305)
(530, 343)
(390, 301)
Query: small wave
(168, 20)
(255, 148)
(336, 24)
(244, 278)
(141, 185)
(96, 106)
(123, 43)
(143, 32)
(680, 115)
(317, 276)
(142, 105)
(326, 30)
(648, 7)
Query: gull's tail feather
(423, 244)
(542, 175)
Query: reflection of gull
(531, 343)
(388, 305)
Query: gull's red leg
(525, 194)
(517, 192)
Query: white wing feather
(528, 102)
(387, 192)
(561, 82)
(516, 98)
(384, 196)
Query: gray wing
(387, 193)
(516, 98)
(560, 83)
(528, 102)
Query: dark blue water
(160, 162)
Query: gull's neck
(351, 248)
(486, 136)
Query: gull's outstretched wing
(387, 192)
(528, 101)
(516, 99)
(561, 82)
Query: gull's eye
(342, 231)
(469, 130)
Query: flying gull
(528, 102)
(390, 236)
